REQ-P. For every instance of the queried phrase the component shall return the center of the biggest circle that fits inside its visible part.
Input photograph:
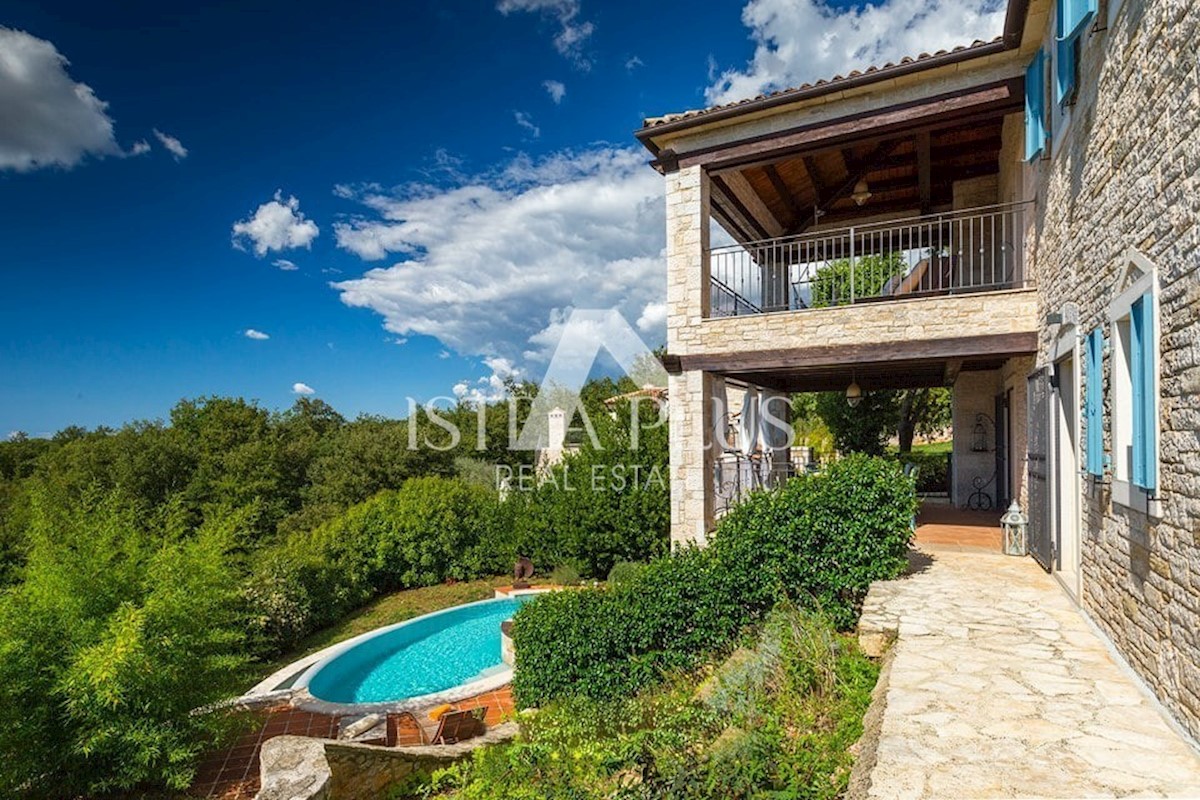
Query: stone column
(690, 393)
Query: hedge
(820, 540)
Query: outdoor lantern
(979, 438)
(862, 192)
(853, 393)
(1013, 525)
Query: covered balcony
(953, 252)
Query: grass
(390, 609)
(930, 448)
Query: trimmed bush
(624, 574)
(819, 540)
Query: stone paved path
(1000, 688)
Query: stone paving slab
(999, 688)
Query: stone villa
(1016, 219)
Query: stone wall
(1123, 173)
(304, 768)
(946, 317)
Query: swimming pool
(418, 658)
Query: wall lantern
(1013, 525)
(979, 439)
(853, 393)
(862, 192)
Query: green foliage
(427, 531)
(820, 539)
(933, 470)
(624, 575)
(832, 284)
(864, 428)
(605, 503)
(775, 721)
(565, 575)
(119, 631)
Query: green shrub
(776, 720)
(821, 540)
(933, 473)
(624, 574)
(427, 531)
(565, 575)
(120, 630)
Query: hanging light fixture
(853, 393)
(862, 192)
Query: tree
(831, 285)
(864, 428)
(923, 411)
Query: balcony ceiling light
(862, 192)
(853, 394)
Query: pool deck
(232, 773)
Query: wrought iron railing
(737, 475)
(972, 250)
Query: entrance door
(1066, 471)
(1037, 484)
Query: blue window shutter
(1035, 106)
(1073, 15)
(1094, 411)
(1135, 379)
(1064, 69)
(1145, 421)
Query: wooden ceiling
(915, 374)
(912, 173)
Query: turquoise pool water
(425, 655)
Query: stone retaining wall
(303, 768)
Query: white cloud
(302, 388)
(799, 41)
(48, 119)
(139, 148)
(573, 32)
(633, 62)
(653, 318)
(285, 265)
(490, 267)
(444, 354)
(276, 225)
(173, 145)
(556, 89)
(526, 122)
(258, 336)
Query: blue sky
(452, 178)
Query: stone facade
(1123, 171)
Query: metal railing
(973, 250)
(737, 475)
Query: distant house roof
(1013, 27)
(657, 392)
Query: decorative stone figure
(522, 572)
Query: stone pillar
(688, 288)
(692, 464)
(690, 393)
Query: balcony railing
(973, 250)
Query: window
(1073, 15)
(1134, 316)
(1035, 106)
(1066, 69)
(1094, 402)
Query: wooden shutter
(1094, 403)
(1142, 369)
(1073, 15)
(1035, 106)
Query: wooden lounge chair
(458, 726)
(450, 727)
